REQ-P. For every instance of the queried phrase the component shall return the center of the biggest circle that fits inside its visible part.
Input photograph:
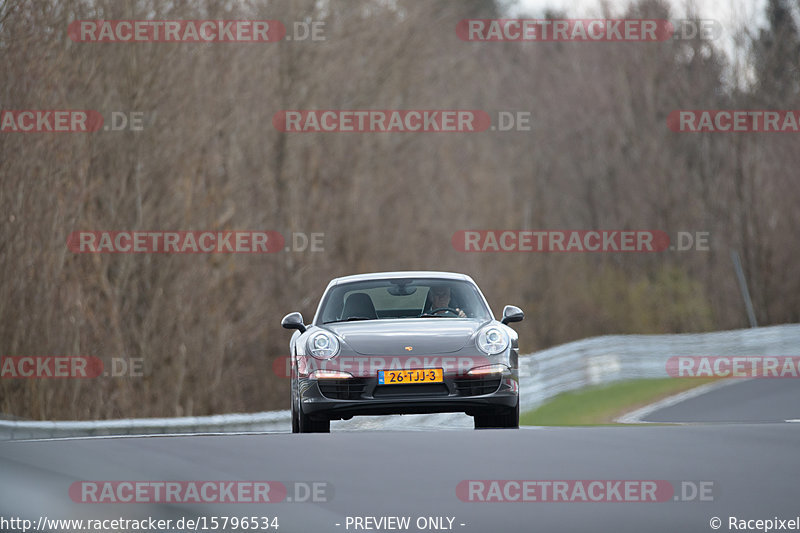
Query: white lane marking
(635, 416)
(146, 435)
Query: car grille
(405, 391)
(342, 389)
(476, 386)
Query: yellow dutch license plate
(406, 377)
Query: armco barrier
(544, 374)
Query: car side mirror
(512, 314)
(294, 321)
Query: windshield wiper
(428, 315)
(349, 319)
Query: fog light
(488, 369)
(330, 374)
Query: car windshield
(403, 298)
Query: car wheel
(294, 409)
(295, 420)
(505, 419)
(306, 424)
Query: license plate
(406, 377)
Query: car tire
(306, 424)
(295, 420)
(505, 419)
(295, 409)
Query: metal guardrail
(601, 360)
(269, 421)
(544, 374)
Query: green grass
(600, 405)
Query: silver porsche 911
(404, 343)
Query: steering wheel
(448, 309)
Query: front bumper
(342, 398)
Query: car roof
(401, 274)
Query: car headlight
(323, 345)
(492, 340)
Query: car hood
(393, 336)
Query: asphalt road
(747, 470)
(750, 401)
(753, 468)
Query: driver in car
(440, 296)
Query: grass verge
(600, 405)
